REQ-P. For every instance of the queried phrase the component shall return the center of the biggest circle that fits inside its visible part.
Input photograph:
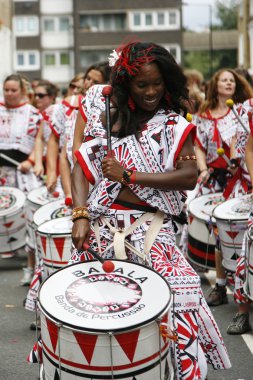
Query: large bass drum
(201, 225)
(12, 219)
(98, 325)
(232, 222)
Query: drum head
(40, 196)
(234, 209)
(202, 207)
(61, 226)
(51, 210)
(11, 200)
(83, 297)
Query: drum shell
(231, 234)
(12, 223)
(136, 350)
(54, 246)
(232, 223)
(201, 225)
(248, 285)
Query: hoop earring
(131, 104)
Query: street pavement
(16, 339)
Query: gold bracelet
(80, 214)
(186, 158)
(80, 208)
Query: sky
(196, 14)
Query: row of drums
(213, 219)
(40, 220)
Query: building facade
(54, 39)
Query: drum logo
(6, 201)
(61, 212)
(104, 293)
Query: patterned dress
(19, 127)
(156, 150)
(212, 134)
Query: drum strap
(119, 243)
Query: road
(16, 339)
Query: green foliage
(227, 13)
(208, 62)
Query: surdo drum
(201, 237)
(98, 325)
(248, 285)
(12, 219)
(232, 222)
(54, 239)
(35, 199)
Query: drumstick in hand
(221, 152)
(107, 93)
(230, 104)
(9, 159)
(107, 266)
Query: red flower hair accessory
(127, 61)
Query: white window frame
(155, 25)
(26, 32)
(27, 66)
(177, 47)
(56, 20)
(57, 55)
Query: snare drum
(248, 286)
(35, 199)
(231, 219)
(12, 219)
(201, 238)
(99, 325)
(54, 240)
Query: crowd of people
(157, 156)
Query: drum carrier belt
(119, 235)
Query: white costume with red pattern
(156, 150)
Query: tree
(227, 14)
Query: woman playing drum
(216, 128)
(139, 188)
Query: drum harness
(119, 235)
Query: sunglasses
(73, 87)
(40, 95)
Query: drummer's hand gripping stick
(107, 265)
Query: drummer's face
(147, 88)
(12, 93)
(226, 84)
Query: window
(56, 24)
(104, 22)
(137, 19)
(49, 25)
(50, 59)
(64, 24)
(160, 19)
(88, 57)
(165, 19)
(26, 25)
(27, 60)
(64, 59)
(57, 59)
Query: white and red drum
(248, 285)
(12, 219)
(98, 325)
(231, 219)
(201, 237)
(53, 210)
(54, 240)
(35, 199)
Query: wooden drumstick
(221, 152)
(230, 104)
(107, 265)
(107, 93)
(9, 159)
